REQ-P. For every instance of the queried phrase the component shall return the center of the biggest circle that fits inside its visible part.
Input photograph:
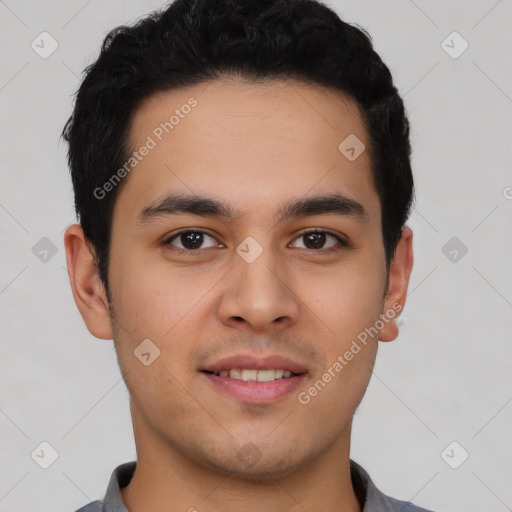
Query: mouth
(252, 375)
(255, 380)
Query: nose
(259, 294)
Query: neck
(166, 479)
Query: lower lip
(256, 392)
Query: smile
(251, 375)
(255, 386)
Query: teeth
(266, 375)
(250, 375)
(255, 375)
(235, 374)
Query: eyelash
(195, 252)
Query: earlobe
(399, 274)
(88, 290)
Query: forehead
(248, 144)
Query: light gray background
(446, 378)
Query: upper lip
(252, 362)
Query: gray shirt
(370, 498)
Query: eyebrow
(203, 206)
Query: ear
(88, 290)
(399, 273)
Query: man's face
(216, 293)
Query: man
(242, 180)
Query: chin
(251, 464)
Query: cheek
(151, 299)
(151, 302)
(346, 299)
(348, 303)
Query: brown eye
(316, 240)
(189, 240)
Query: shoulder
(372, 499)
(94, 506)
(402, 506)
